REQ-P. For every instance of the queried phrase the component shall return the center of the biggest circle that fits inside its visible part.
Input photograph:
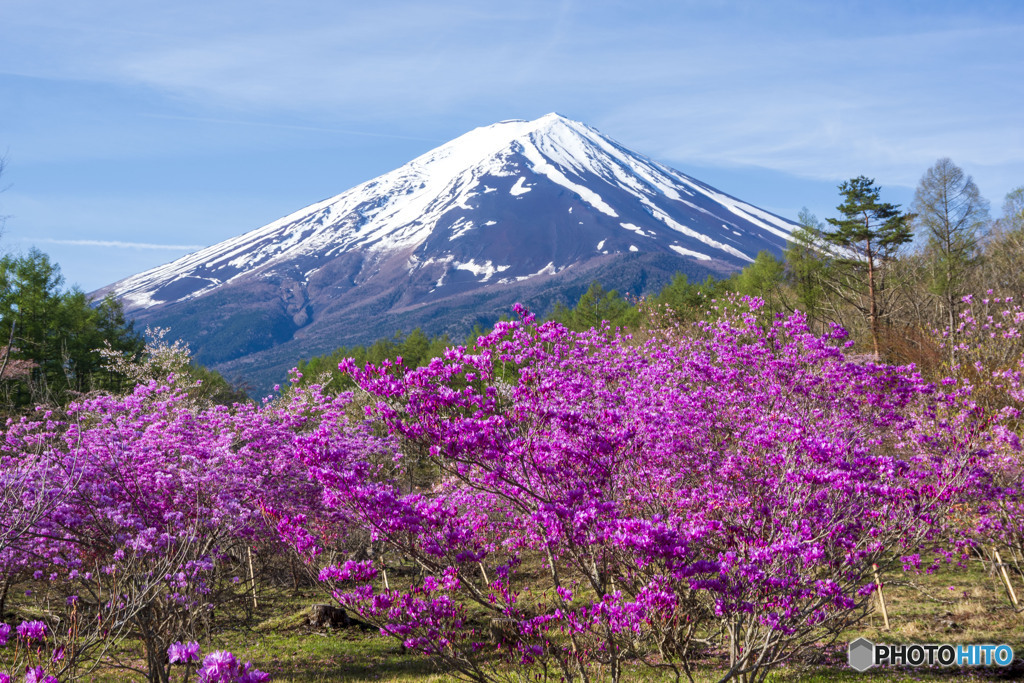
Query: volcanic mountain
(529, 211)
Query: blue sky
(136, 131)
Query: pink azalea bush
(149, 505)
(217, 667)
(740, 478)
(984, 397)
(32, 652)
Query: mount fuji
(529, 211)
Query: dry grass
(922, 608)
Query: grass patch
(955, 605)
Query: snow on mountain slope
(500, 204)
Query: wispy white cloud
(117, 244)
(293, 126)
(885, 105)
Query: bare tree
(950, 211)
(1003, 249)
(1013, 211)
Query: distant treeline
(680, 299)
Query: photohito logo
(863, 654)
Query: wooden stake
(1006, 579)
(252, 580)
(881, 598)
(483, 572)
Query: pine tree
(868, 237)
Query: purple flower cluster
(152, 489)
(32, 630)
(223, 667)
(183, 653)
(37, 674)
(217, 667)
(741, 475)
(32, 637)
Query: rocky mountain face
(529, 211)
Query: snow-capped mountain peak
(401, 210)
(539, 205)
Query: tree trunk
(872, 303)
(4, 590)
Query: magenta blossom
(37, 674)
(250, 675)
(223, 667)
(183, 653)
(218, 664)
(32, 630)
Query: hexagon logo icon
(861, 654)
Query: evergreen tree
(415, 349)
(687, 301)
(806, 260)
(868, 237)
(595, 306)
(763, 278)
(58, 332)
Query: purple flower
(5, 678)
(37, 674)
(219, 666)
(250, 675)
(223, 667)
(183, 653)
(32, 630)
(5, 631)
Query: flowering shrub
(217, 667)
(741, 478)
(152, 505)
(984, 396)
(183, 653)
(33, 652)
